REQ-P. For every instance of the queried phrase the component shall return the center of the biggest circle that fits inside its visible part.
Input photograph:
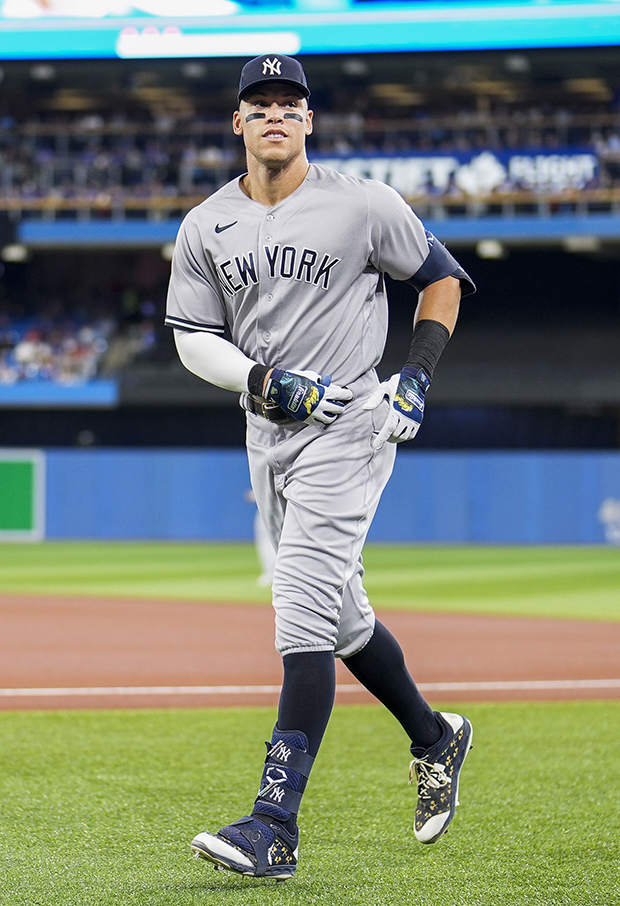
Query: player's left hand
(405, 393)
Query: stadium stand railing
(157, 207)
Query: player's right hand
(306, 396)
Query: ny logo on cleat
(281, 752)
(272, 67)
(272, 782)
(277, 794)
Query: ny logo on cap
(274, 66)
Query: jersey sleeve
(193, 301)
(398, 243)
(403, 248)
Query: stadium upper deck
(470, 137)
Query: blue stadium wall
(496, 498)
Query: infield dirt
(76, 642)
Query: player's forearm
(440, 302)
(214, 359)
(434, 321)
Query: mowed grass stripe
(399, 570)
(600, 606)
(164, 570)
(507, 585)
(427, 553)
(545, 581)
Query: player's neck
(270, 186)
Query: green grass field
(572, 582)
(97, 809)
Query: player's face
(274, 121)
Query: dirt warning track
(92, 652)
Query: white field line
(499, 686)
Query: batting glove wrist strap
(419, 375)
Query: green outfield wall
(22, 495)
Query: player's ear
(309, 126)
(237, 123)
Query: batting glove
(306, 396)
(405, 392)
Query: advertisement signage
(156, 29)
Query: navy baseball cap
(272, 68)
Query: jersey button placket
(266, 335)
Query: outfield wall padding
(459, 497)
(22, 495)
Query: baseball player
(292, 257)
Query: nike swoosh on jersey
(227, 226)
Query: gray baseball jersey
(301, 284)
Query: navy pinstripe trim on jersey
(438, 264)
(184, 324)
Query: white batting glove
(307, 396)
(405, 393)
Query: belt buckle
(270, 411)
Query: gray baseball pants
(317, 490)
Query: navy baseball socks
(440, 741)
(436, 772)
(265, 843)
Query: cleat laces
(428, 776)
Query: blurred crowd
(103, 159)
(51, 343)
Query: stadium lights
(517, 63)
(581, 244)
(492, 249)
(194, 70)
(43, 72)
(355, 66)
(15, 253)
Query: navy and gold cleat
(436, 772)
(265, 844)
(259, 850)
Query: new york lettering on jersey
(288, 262)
